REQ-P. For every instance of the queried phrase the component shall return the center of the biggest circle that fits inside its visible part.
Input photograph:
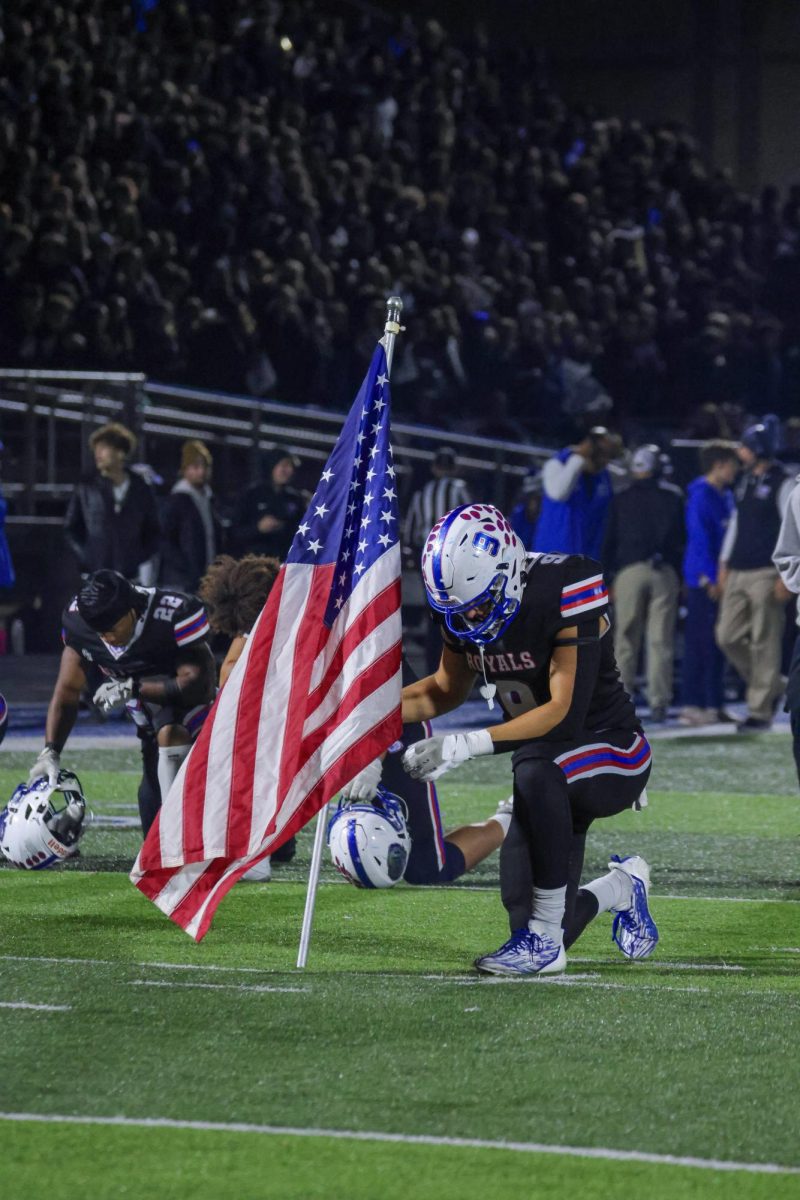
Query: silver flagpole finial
(394, 307)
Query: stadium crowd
(222, 194)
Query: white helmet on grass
(370, 843)
(474, 559)
(36, 829)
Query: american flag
(315, 695)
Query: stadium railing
(46, 418)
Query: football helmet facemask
(370, 843)
(36, 830)
(473, 559)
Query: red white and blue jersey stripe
(602, 758)
(192, 628)
(583, 597)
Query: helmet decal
(473, 560)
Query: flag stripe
(378, 609)
(376, 673)
(248, 722)
(375, 640)
(305, 652)
(300, 627)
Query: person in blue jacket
(709, 507)
(577, 496)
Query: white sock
(548, 912)
(505, 811)
(610, 891)
(169, 763)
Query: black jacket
(101, 536)
(184, 550)
(261, 500)
(646, 525)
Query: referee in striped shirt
(438, 496)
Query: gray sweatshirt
(786, 554)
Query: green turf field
(221, 1071)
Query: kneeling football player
(151, 644)
(579, 752)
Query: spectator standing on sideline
(787, 559)
(523, 516)
(192, 534)
(577, 496)
(112, 520)
(266, 517)
(441, 494)
(709, 508)
(642, 555)
(751, 616)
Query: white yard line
(673, 966)
(576, 981)
(36, 1007)
(437, 976)
(220, 987)
(412, 1139)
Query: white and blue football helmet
(370, 843)
(34, 833)
(474, 559)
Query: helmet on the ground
(3, 717)
(37, 829)
(474, 559)
(370, 843)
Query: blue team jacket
(576, 525)
(708, 512)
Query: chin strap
(487, 690)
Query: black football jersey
(561, 590)
(170, 622)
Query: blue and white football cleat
(525, 953)
(634, 930)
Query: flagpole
(394, 307)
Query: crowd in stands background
(223, 194)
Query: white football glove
(111, 696)
(48, 764)
(365, 784)
(433, 756)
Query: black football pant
(149, 789)
(552, 813)
(792, 705)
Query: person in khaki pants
(751, 615)
(643, 553)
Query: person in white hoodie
(192, 534)
(786, 557)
